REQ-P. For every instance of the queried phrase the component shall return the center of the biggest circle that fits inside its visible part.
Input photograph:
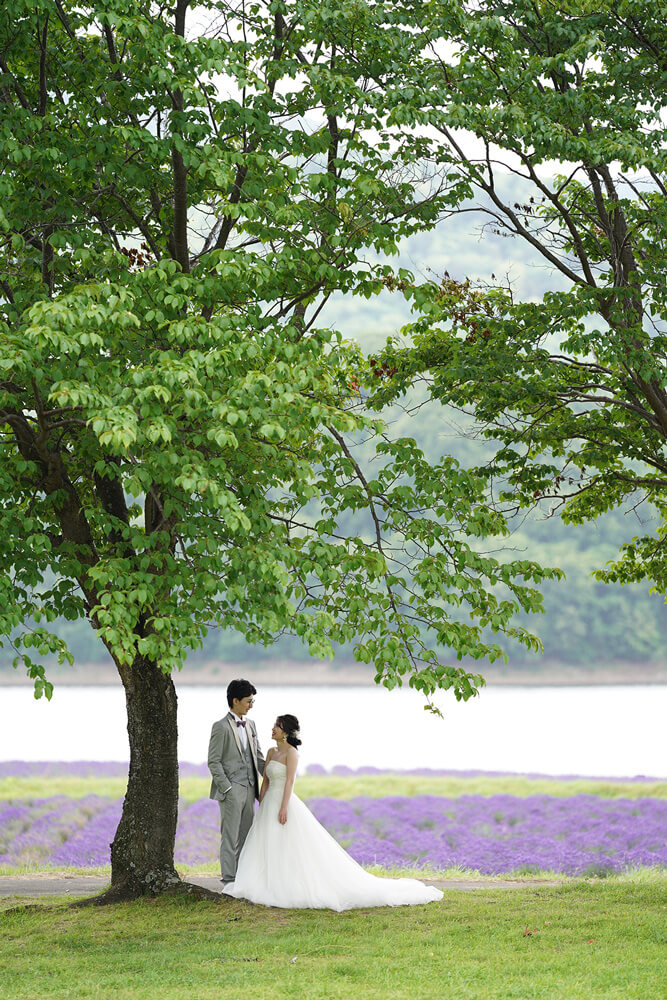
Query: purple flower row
(118, 769)
(496, 834)
(500, 834)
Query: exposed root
(198, 892)
(126, 893)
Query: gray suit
(235, 786)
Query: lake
(604, 731)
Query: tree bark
(142, 852)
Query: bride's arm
(265, 777)
(292, 760)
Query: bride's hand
(282, 815)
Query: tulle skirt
(299, 865)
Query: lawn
(584, 940)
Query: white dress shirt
(241, 731)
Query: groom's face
(241, 706)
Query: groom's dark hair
(239, 689)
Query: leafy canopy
(182, 190)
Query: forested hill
(587, 624)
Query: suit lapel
(232, 726)
(251, 743)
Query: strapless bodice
(276, 771)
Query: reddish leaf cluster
(394, 284)
(561, 479)
(380, 370)
(476, 333)
(138, 257)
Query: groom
(236, 764)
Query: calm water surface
(614, 731)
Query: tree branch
(23, 100)
(43, 91)
(180, 234)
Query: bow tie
(241, 724)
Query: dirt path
(88, 885)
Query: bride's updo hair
(290, 725)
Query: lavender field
(492, 834)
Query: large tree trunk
(142, 852)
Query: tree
(181, 192)
(572, 387)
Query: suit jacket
(225, 755)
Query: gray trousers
(236, 816)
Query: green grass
(374, 786)
(581, 941)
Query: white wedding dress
(299, 865)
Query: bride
(289, 859)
